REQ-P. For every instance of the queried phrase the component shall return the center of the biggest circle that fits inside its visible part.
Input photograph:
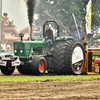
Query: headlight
(15, 51)
(21, 51)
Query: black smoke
(31, 8)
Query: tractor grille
(18, 45)
(37, 48)
(27, 46)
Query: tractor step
(92, 73)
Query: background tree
(63, 9)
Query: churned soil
(51, 90)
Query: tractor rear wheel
(38, 66)
(59, 58)
(64, 60)
(75, 58)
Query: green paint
(36, 42)
(27, 46)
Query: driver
(48, 35)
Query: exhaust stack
(30, 34)
(30, 10)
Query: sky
(17, 11)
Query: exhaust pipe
(30, 34)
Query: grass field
(28, 78)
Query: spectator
(98, 45)
(95, 45)
(3, 46)
(83, 38)
(8, 48)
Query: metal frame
(53, 22)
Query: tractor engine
(28, 48)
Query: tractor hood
(24, 48)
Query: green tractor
(67, 56)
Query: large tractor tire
(8, 70)
(59, 57)
(38, 66)
(64, 59)
(75, 58)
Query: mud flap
(90, 62)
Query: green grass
(28, 78)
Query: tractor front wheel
(39, 65)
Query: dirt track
(51, 90)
